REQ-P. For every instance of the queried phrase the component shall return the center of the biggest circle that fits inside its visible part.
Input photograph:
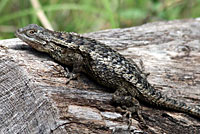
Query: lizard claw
(130, 119)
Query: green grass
(89, 15)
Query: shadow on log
(35, 99)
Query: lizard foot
(135, 109)
(71, 75)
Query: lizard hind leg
(128, 103)
(140, 68)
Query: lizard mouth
(21, 35)
(17, 33)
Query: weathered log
(35, 99)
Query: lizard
(104, 65)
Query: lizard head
(35, 36)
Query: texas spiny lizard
(105, 65)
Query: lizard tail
(154, 97)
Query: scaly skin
(104, 65)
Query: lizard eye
(30, 32)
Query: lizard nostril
(20, 30)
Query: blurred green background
(92, 15)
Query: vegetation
(89, 15)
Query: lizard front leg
(77, 68)
(128, 102)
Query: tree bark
(34, 97)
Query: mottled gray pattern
(103, 64)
